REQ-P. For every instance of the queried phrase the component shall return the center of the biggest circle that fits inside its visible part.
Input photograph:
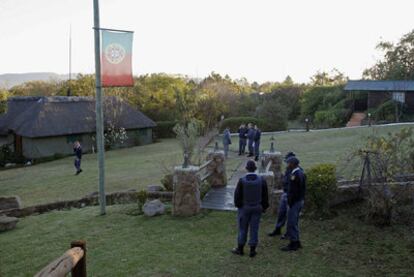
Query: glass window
(398, 96)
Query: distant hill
(12, 79)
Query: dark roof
(373, 85)
(57, 116)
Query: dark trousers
(282, 211)
(251, 148)
(77, 164)
(242, 145)
(293, 220)
(257, 148)
(249, 220)
(226, 147)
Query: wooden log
(62, 265)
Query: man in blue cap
(283, 205)
(295, 198)
(242, 139)
(251, 199)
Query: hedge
(233, 123)
(164, 129)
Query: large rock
(154, 207)
(7, 223)
(154, 188)
(11, 202)
(217, 169)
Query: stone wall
(276, 167)
(186, 195)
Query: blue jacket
(257, 135)
(251, 190)
(297, 186)
(78, 152)
(242, 133)
(226, 137)
(251, 134)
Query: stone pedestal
(217, 168)
(186, 196)
(276, 167)
(275, 200)
(269, 178)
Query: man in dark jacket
(257, 136)
(77, 149)
(283, 205)
(242, 139)
(250, 137)
(251, 199)
(295, 198)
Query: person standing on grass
(242, 139)
(251, 200)
(283, 205)
(77, 149)
(226, 142)
(250, 136)
(295, 198)
(257, 136)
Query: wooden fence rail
(73, 260)
(203, 173)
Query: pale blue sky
(258, 39)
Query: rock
(92, 194)
(154, 188)
(8, 165)
(8, 223)
(186, 196)
(153, 208)
(11, 202)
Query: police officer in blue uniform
(242, 139)
(283, 205)
(295, 198)
(251, 199)
(257, 137)
(250, 137)
(77, 149)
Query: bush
(164, 129)
(321, 187)
(168, 182)
(233, 123)
(385, 112)
(274, 115)
(142, 196)
(335, 117)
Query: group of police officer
(251, 199)
(249, 136)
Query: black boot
(276, 232)
(252, 251)
(238, 250)
(292, 246)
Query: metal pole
(99, 110)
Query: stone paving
(222, 198)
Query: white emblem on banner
(114, 53)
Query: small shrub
(321, 187)
(204, 188)
(5, 154)
(168, 182)
(142, 198)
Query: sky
(261, 40)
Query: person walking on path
(295, 198)
(226, 142)
(257, 137)
(283, 205)
(250, 136)
(251, 200)
(242, 139)
(77, 149)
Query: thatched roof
(57, 116)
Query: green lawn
(140, 166)
(123, 244)
(324, 146)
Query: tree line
(170, 98)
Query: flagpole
(99, 110)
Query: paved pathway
(222, 198)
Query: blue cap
(292, 160)
(289, 154)
(251, 166)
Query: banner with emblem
(116, 57)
